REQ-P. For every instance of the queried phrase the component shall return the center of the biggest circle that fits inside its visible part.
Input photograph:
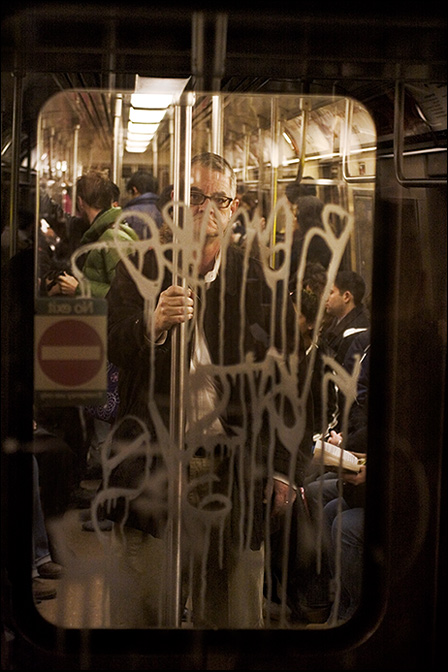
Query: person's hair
(309, 305)
(350, 281)
(250, 198)
(218, 163)
(144, 182)
(115, 192)
(296, 189)
(315, 277)
(309, 212)
(96, 190)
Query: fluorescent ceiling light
(135, 150)
(138, 143)
(160, 85)
(151, 101)
(132, 146)
(139, 139)
(138, 129)
(146, 116)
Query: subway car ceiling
(72, 47)
(307, 125)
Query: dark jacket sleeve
(128, 345)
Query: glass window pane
(238, 329)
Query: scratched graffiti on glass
(173, 489)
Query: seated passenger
(324, 493)
(348, 515)
(350, 319)
(345, 305)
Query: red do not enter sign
(70, 352)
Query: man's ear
(234, 205)
(80, 203)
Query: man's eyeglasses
(198, 198)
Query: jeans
(346, 528)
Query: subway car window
(202, 328)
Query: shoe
(43, 591)
(50, 570)
(104, 525)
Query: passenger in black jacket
(238, 460)
(350, 318)
(341, 496)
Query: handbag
(108, 411)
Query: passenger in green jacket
(95, 195)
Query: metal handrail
(399, 143)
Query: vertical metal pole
(246, 137)
(274, 168)
(208, 67)
(304, 106)
(217, 140)
(41, 126)
(75, 166)
(15, 161)
(219, 57)
(172, 147)
(116, 159)
(111, 51)
(179, 362)
(197, 49)
(51, 153)
(346, 147)
(155, 157)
